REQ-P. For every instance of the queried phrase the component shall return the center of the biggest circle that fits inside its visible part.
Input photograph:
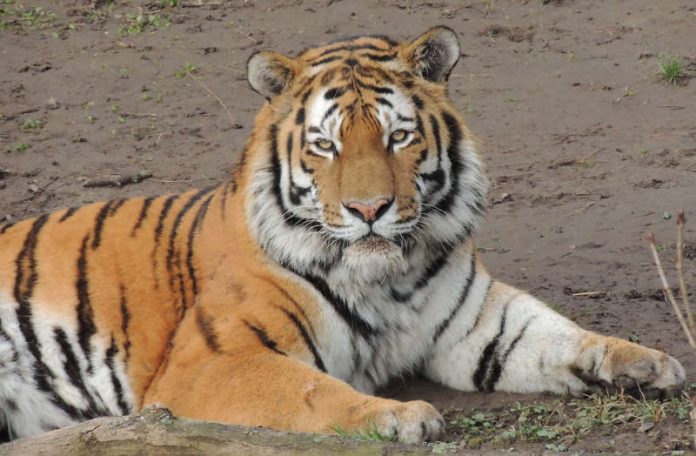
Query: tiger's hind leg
(518, 344)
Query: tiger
(336, 256)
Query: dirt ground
(586, 147)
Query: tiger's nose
(369, 211)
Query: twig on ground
(681, 221)
(219, 100)
(118, 181)
(668, 292)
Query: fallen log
(156, 432)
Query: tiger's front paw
(409, 422)
(640, 370)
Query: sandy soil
(586, 147)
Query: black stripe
(263, 338)
(305, 336)
(517, 338)
(6, 227)
(379, 58)
(374, 88)
(334, 93)
(147, 202)
(296, 192)
(455, 137)
(489, 367)
(435, 126)
(200, 215)
(71, 367)
(430, 272)
(205, 325)
(351, 47)
(25, 281)
(300, 116)
(349, 316)
(306, 168)
(288, 218)
(418, 101)
(107, 210)
(68, 213)
(325, 60)
(328, 112)
(85, 314)
(166, 207)
(178, 219)
(460, 302)
(384, 102)
(125, 321)
(115, 382)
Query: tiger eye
(398, 136)
(324, 144)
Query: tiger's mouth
(372, 244)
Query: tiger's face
(364, 150)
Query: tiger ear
(269, 73)
(433, 54)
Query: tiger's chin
(373, 259)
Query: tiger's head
(358, 156)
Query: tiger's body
(340, 254)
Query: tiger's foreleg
(518, 344)
(255, 382)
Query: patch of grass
(186, 69)
(672, 70)
(19, 147)
(21, 19)
(371, 434)
(31, 125)
(135, 24)
(124, 73)
(561, 423)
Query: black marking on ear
(263, 338)
(85, 314)
(68, 213)
(300, 116)
(418, 101)
(205, 326)
(147, 202)
(384, 102)
(463, 296)
(115, 381)
(334, 93)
